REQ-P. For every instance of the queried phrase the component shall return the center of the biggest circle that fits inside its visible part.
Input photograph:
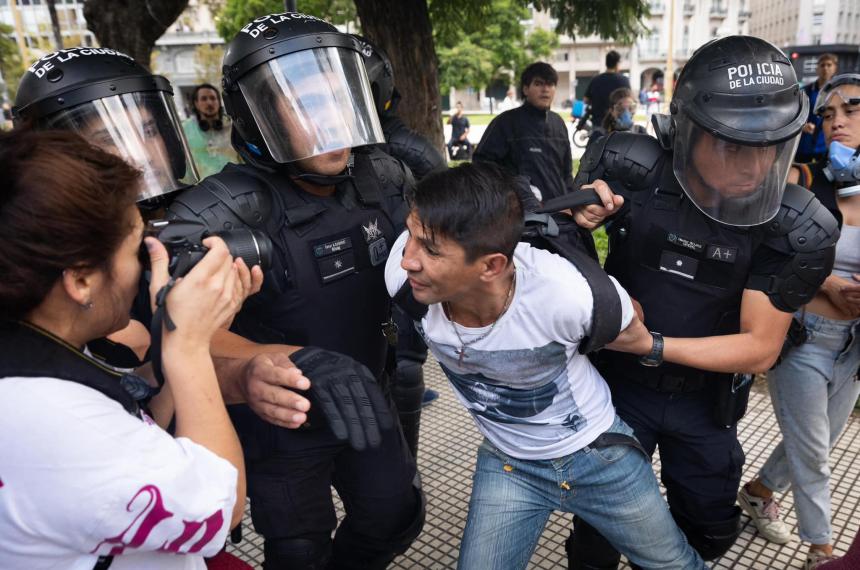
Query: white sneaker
(765, 514)
(815, 558)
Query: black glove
(348, 395)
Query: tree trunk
(55, 23)
(402, 29)
(131, 27)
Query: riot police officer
(115, 103)
(422, 158)
(301, 105)
(719, 252)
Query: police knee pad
(299, 553)
(407, 392)
(588, 550)
(711, 539)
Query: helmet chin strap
(296, 173)
(291, 168)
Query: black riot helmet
(737, 113)
(297, 88)
(381, 75)
(114, 103)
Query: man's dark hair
(828, 57)
(538, 70)
(612, 59)
(475, 205)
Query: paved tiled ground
(447, 459)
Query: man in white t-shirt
(504, 320)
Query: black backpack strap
(606, 307)
(28, 351)
(407, 302)
(103, 563)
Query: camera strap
(160, 317)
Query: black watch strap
(655, 357)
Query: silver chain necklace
(461, 353)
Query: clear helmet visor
(735, 184)
(312, 102)
(143, 129)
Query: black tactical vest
(688, 271)
(327, 284)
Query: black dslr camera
(184, 242)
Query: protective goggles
(834, 87)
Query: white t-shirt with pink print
(81, 478)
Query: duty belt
(669, 377)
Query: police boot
(407, 392)
(588, 550)
(710, 539)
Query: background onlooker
(619, 117)
(459, 131)
(812, 145)
(531, 140)
(208, 131)
(601, 87)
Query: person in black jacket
(531, 140)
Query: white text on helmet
(259, 25)
(763, 73)
(44, 64)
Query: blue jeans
(612, 488)
(813, 391)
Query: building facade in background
(807, 28)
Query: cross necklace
(461, 352)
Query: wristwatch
(655, 357)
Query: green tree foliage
(489, 45)
(236, 13)
(11, 65)
(620, 20)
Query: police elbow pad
(807, 232)
(633, 159)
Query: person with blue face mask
(619, 117)
(814, 387)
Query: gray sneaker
(765, 515)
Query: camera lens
(254, 247)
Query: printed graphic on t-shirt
(536, 400)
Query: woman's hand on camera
(207, 297)
(249, 283)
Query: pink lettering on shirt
(153, 513)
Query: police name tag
(335, 258)
(684, 242)
(336, 246)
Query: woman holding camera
(815, 386)
(86, 478)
